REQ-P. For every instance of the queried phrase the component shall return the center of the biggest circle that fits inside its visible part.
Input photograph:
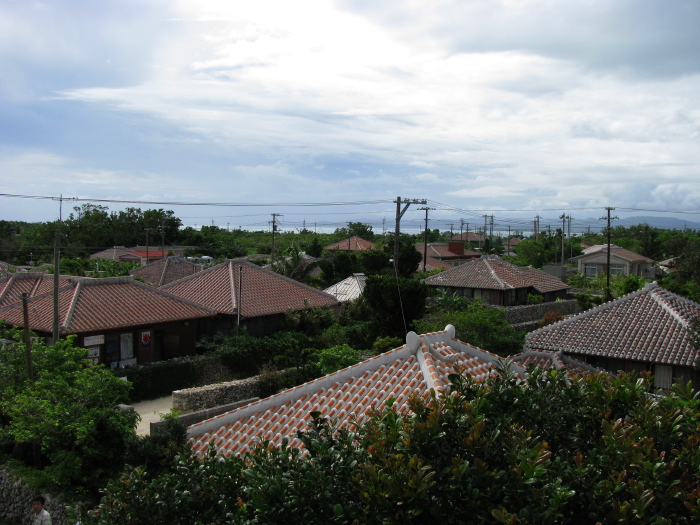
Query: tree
(483, 452)
(477, 325)
(69, 411)
(397, 302)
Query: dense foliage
(65, 419)
(543, 450)
(474, 323)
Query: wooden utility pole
(563, 226)
(397, 232)
(274, 229)
(27, 337)
(425, 238)
(608, 294)
(56, 269)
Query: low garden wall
(535, 312)
(201, 398)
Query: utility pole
(537, 227)
(608, 218)
(452, 225)
(425, 237)
(56, 270)
(563, 226)
(148, 230)
(274, 229)
(571, 246)
(461, 229)
(491, 232)
(397, 232)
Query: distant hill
(667, 223)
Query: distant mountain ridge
(667, 223)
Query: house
(647, 330)
(498, 282)
(353, 244)
(139, 254)
(450, 254)
(473, 238)
(32, 283)
(240, 290)
(166, 270)
(510, 244)
(348, 289)
(423, 364)
(594, 260)
(120, 321)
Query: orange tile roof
(35, 283)
(649, 325)
(349, 395)
(353, 244)
(442, 250)
(493, 273)
(88, 305)
(263, 292)
(166, 270)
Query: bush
(481, 453)
(384, 344)
(535, 298)
(550, 318)
(332, 359)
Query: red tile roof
(166, 270)
(442, 251)
(493, 273)
(263, 292)
(353, 244)
(88, 305)
(349, 395)
(15, 284)
(468, 236)
(649, 325)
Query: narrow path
(151, 411)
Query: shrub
(330, 360)
(550, 318)
(535, 298)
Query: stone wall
(16, 501)
(535, 312)
(201, 398)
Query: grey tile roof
(649, 325)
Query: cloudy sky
(510, 107)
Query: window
(617, 269)
(663, 376)
(590, 270)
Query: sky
(511, 108)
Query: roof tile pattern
(88, 305)
(493, 273)
(348, 395)
(262, 291)
(442, 250)
(166, 270)
(649, 325)
(353, 244)
(15, 284)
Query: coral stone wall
(200, 398)
(16, 502)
